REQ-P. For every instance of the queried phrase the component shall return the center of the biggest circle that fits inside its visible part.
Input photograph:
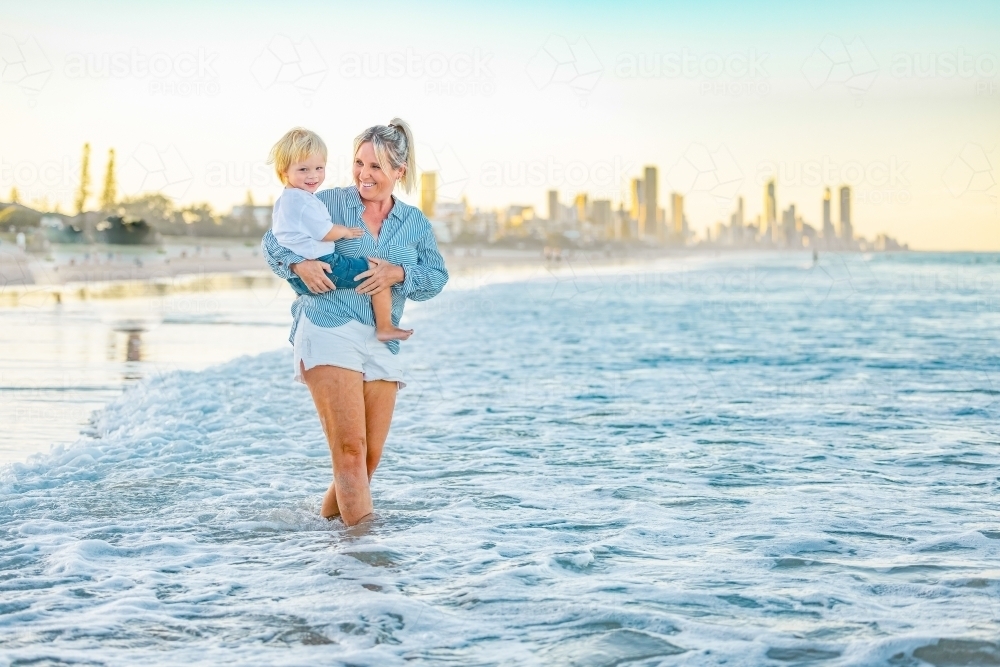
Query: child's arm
(338, 232)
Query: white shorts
(352, 346)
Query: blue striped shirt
(406, 239)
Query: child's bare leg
(384, 328)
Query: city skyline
(591, 220)
(898, 105)
(597, 221)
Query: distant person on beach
(302, 224)
(352, 375)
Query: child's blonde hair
(297, 144)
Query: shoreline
(132, 287)
(144, 272)
(81, 273)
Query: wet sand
(178, 266)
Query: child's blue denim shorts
(343, 269)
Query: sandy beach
(79, 272)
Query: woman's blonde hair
(297, 144)
(393, 144)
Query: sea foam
(741, 462)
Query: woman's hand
(313, 274)
(382, 275)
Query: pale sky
(901, 101)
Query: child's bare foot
(395, 333)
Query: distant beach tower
(647, 225)
(638, 200)
(846, 231)
(677, 217)
(736, 223)
(554, 216)
(829, 234)
(428, 192)
(770, 210)
(600, 212)
(582, 208)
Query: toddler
(301, 223)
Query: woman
(353, 378)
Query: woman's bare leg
(380, 401)
(330, 508)
(338, 394)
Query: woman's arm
(285, 264)
(419, 281)
(279, 258)
(428, 276)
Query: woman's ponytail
(410, 176)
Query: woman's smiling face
(372, 182)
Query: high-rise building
(638, 199)
(736, 222)
(828, 232)
(554, 206)
(770, 217)
(600, 214)
(428, 192)
(736, 219)
(622, 223)
(582, 214)
(679, 226)
(787, 229)
(846, 230)
(647, 223)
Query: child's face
(308, 174)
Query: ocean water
(747, 460)
(61, 362)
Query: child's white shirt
(299, 222)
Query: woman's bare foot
(330, 509)
(395, 333)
